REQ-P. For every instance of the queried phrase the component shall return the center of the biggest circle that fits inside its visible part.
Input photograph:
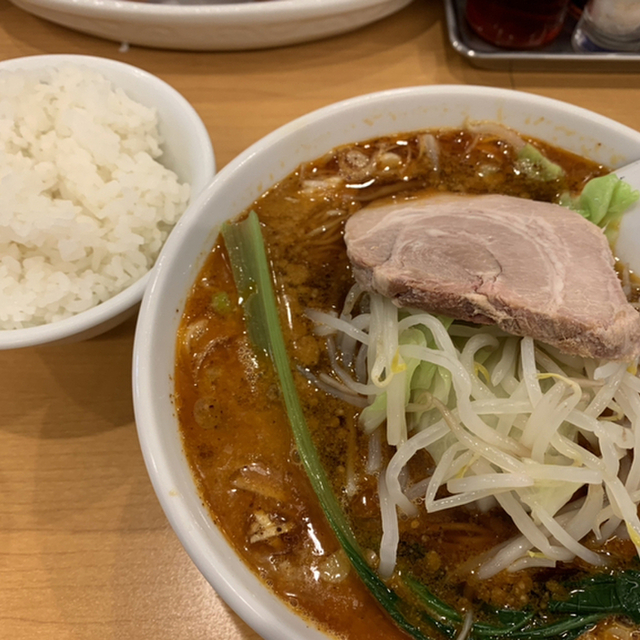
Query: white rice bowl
(98, 160)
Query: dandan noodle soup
(235, 430)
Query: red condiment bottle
(517, 24)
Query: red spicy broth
(234, 428)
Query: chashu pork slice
(533, 268)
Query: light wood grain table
(85, 550)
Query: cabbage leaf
(534, 164)
(603, 200)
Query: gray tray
(557, 56)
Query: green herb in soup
(326, 543)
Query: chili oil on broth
(235, 431)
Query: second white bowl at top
(211, 26)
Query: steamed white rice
(85, 206)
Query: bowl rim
(161, 462)
(227, 12)
(123, 301)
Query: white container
(236, 186)
(212, 26)
(187, 151)
(608, 25)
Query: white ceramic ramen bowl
(187, 150)
(234, 189)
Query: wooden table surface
(85, 550)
